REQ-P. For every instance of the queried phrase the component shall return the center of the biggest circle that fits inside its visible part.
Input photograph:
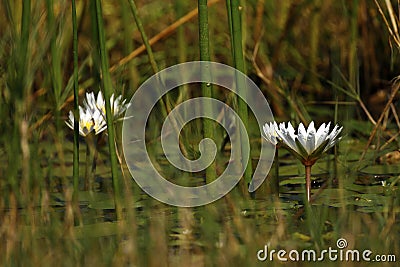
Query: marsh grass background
(314, 60)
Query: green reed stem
(181, 42)
(90, 162)
(206, 88)
(229, 12)
(275, 178)
(128, 47)
(146, 43)
(23, 102)
(75, 170)
(107, 88)
(95, 71)
(236, 36)
(23, 48)
(56, 52)
(353, 65)
(314, 45)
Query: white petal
(100, 103)
(270, 133)
(89, 102)
(310, 144)
(321, 134)
(70, 122)
(302, 135)
(311, 127)
(288, 136)
(100, 99)
(99, 122)
(115, 105)
(334, 132)
(334, 135)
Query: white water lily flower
(90, 102)
(88, 121)
(309, 144)
(92, 115)
(118, 106)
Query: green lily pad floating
(293, 181)
(390, 170)
(375, 174)
(340, 197)
(296, 169)
(371, 199)
(373, 189)
(334, 197)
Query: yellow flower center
(88, 126)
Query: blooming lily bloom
(307, 145)
(118, 106)
(93, 113)
(88, 121)
(90, 102)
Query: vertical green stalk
(240, 84)
(87, 184)
(76, 104)
(335, 161)
(314, 45)
(23, 103)
(107, 88)
(146, 43)
(229, 12)
(91, 160)
(206, 88)
(336, 81)
(275, 178)
(164, 105)
(133, 75)
(23, 48)
(353, 44)
(182, 51)
(95, 44)
(56, 52)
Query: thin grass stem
(146, 42)
(236, 36)
(75, 171)
(107, 89)
(275, 179)
(206, 88)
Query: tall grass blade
(107, 89)
(206, 88)
(236, 36)
(75, 170)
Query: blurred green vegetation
(314, 60)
